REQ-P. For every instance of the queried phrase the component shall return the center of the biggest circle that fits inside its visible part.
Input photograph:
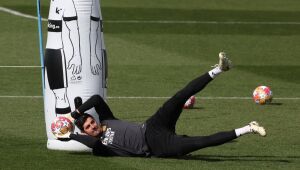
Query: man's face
(91, 127)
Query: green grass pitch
(156, 59)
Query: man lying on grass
(156, 136)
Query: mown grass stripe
(17, 13)
(20, 66)
(164, 97)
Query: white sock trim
(214, 72)
(243, 130)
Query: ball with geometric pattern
(262, 95)
(62, 127)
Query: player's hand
(70, 117)
(64, 137)
(96, 65)
(75, 64)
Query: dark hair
(81, 119)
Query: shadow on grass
(81, 153)
(247, 158)
(195, 108)
(275, 104)
(221, 158)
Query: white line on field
(20, 66)
(17, 13)
(145, 97)
(200, 22)
(21, 96)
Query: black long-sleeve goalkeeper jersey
(120, 138)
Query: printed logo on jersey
(108, 137)
(54, 25)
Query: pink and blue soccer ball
(262, 95)
(61, 126)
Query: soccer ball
(262, 95)
(190, 103)
(62, 127)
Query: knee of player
(97, 97)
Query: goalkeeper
(156, 136)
